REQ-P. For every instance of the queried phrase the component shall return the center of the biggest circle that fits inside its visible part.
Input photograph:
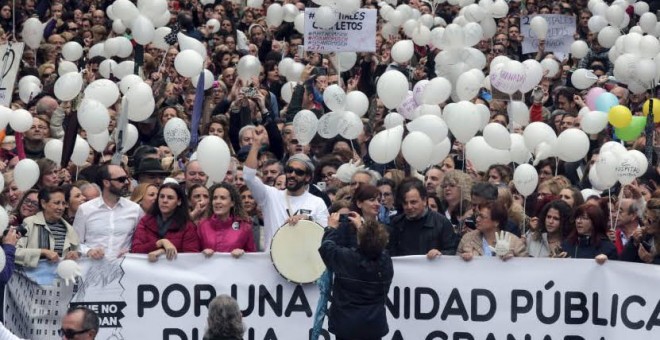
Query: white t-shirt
(273, 204)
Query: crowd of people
(157, 204)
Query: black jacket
(360, 288)
(585, 249)
(631, 253)
(433, 231)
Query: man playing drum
(289, 205)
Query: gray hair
(90, 185)
(638, 206)
(224, 320)
(375, 176)
(245, 129)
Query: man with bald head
(194, 175)
(622, 94)
(105, 225)
(46, 106)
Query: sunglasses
(70, 333)
(121, 179)
(298, 172)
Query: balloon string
(556, 165)
(616, 219)
(524, 215)
(13, 20)
(162, 62)
(77, 172)
(609, 198)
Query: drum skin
(294, 252)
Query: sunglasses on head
(70, 333)
(298, 172)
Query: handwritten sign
(351, 33)
(561, 29)
(9, 64)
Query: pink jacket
(225, 236)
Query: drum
(294, 251)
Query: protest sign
(561, 29)
(9, 64)
(448, 298)
(351, 33)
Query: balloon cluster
(615, 163)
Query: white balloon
(593, 122)
(519, 112)
(20, 120)
(537, 132)
(5, 115)
(608, 35)
(213, 24)
(213, 156)
(499, 9)
(189, 63)
(392, 88)
(32, 33)
(53, 150)
(573, 145)
(551, 66)
(125, 10)
(627, 169)
(646, 70)
(274, 15)
(385, 145)
(649, 46)
(437, 91)
(72, 51)
(159, 38)
(28, 91)
(290, 12)
(141, 102)
(208, 79)
(4, 218)
(118, 26)
(128, 81)
(539, 26)
(29, 79)
(647, 22)
(98, 141)
(80, 152)
(287, 91)
(125, 47)
(422, 35)
(325, 17)
(473, 33)
(484, 115)
(131, 137)
(497, 136)
(467, 86)
(177, 135)
(106, 68)
(248, 67)
(431, 125)
(66, 67)
(334, 98)
(142, 30)
(299, 23)
(124, 68)
(579, 49)
(417, 149)
(642, 162)
(93, 116)
(606, 166)
(489, 27)
(26, 174)
(614, 15)
(190, 43)
(641, 7)
(357, 101)
(349, 125)
(583, 78)
(519, 152)
(526, 179)
(597, 23)
(346, 60)
(327, 126)
(465, 123)
(402, 51)
(102, 90)
(393, 119)
(508, 77)
(440, 151)
(68, 86)
(305, 125)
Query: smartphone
(320, 71)
(647, 245)
(471, 223)
(343, 218)
(301, 52)
(321, 185)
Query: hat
(150, 166)
(302, 158)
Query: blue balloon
(605, 101)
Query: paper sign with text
(11, 60)
(561, 29)
(351, 33)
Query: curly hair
(225, 321)
(372, 239)
(237, 210)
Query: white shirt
(5, 334)
(99, 226)
(277, 206)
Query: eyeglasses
(583, 218)
(31, 203)
(121, 179)
(70, 333)
(298, 172)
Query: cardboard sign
(561, 29)
(351, 33)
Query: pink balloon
(592, 95)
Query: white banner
(561, 29)
(10, 60)
(442, 299)
(351, 33)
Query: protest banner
(351, 33)
(9, 64)
(442, 299)
(561, 29)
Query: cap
(302, 158)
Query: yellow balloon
(656, 109)
(620, 116)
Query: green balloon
(632, 131)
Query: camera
(20, 230)
(249, 91)
(343, 218)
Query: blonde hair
(140, 191)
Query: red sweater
(224, 236)
(536, 113)
(146, 236)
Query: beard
(120, 192)
(293, 184)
